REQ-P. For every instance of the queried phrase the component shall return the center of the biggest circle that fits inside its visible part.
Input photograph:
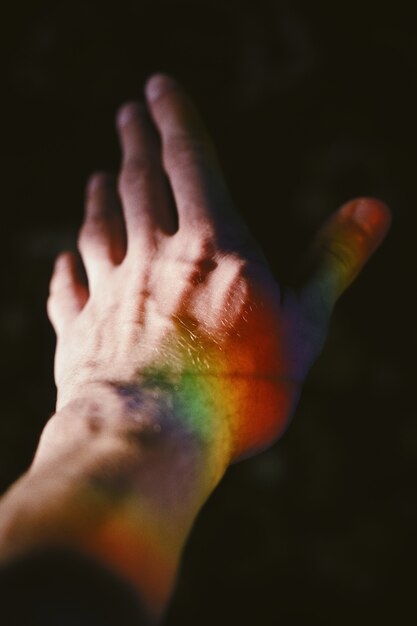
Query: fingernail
(157, 85)
(129, 112)
(360, 212)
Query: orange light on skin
(237, 404)
(263, 389)
(347, 240)
(243, 389)
(131, 544)
(236, 393)
(254, 372)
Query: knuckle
(136, 172)
(234, 270)
(195, 256)
(182, 147)
(197, 245)
(93, 232)
(340, 254)
(85, 236)
(95, 221)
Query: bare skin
(180, 356)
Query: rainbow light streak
(237, 394)
(237, 402)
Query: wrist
(118, 474)
(145, 413)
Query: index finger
(189, 157)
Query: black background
(310, 104)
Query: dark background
(310, 104)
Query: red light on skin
(264, 388)
(370, 214)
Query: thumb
(342, 247)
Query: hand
(193, 311)
(180, 356)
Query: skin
(180, 356)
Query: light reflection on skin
(247, 381)
(238, 389)
(181, 356)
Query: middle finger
(142, 183)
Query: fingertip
(344, 245)
(158, 84)
(64, 261)
(128, 112)
(372, 215)
(98, 180)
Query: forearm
(123, 484)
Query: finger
(189, 156)
(67, 293)
(142, 182)
(102, 239)
(342, 247)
